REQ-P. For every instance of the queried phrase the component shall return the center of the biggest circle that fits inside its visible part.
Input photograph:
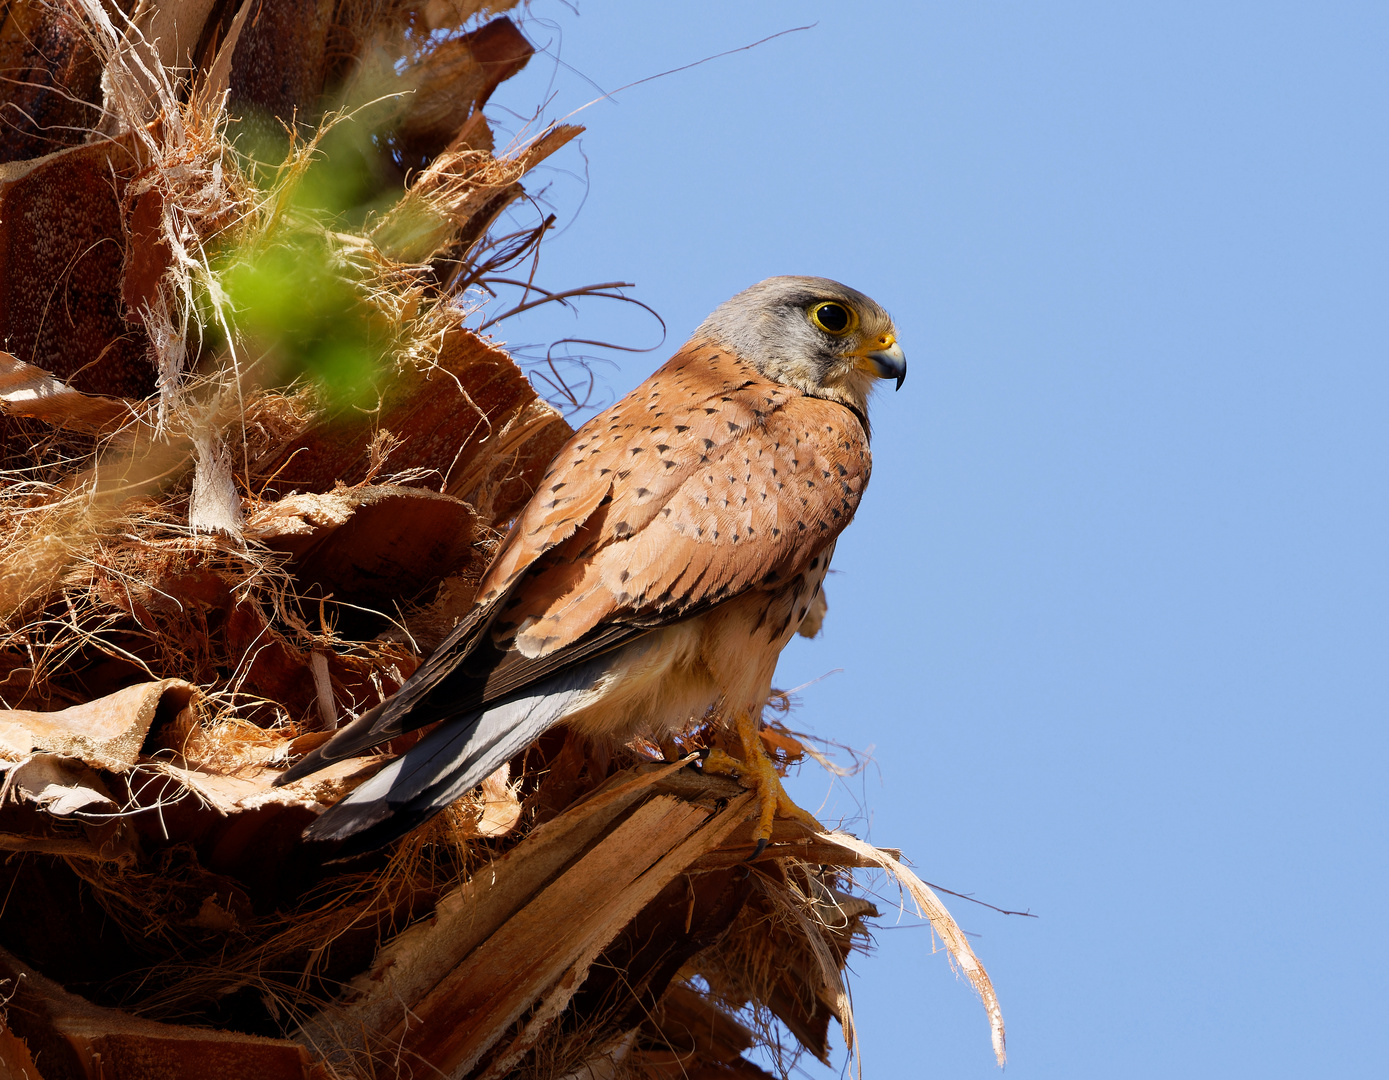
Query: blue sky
(1113, 612)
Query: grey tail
(448, 762)
(361, 734)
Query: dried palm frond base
(595, 916)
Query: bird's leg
(670, 749)
(757, 767)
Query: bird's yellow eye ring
(833, 317)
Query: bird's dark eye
(832, 318)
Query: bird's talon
(789, 809)
(757, 770)
(757, 851)
(722, 763)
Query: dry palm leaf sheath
(358, 718)
(671, 551)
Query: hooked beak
(889, 361)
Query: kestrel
(667, 557)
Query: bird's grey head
(825, 339)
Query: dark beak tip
(890, 364)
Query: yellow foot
(756, 767)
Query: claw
(757, 769)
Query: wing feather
(722, 481)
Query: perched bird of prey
(665, 560)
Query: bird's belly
(654, 687)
